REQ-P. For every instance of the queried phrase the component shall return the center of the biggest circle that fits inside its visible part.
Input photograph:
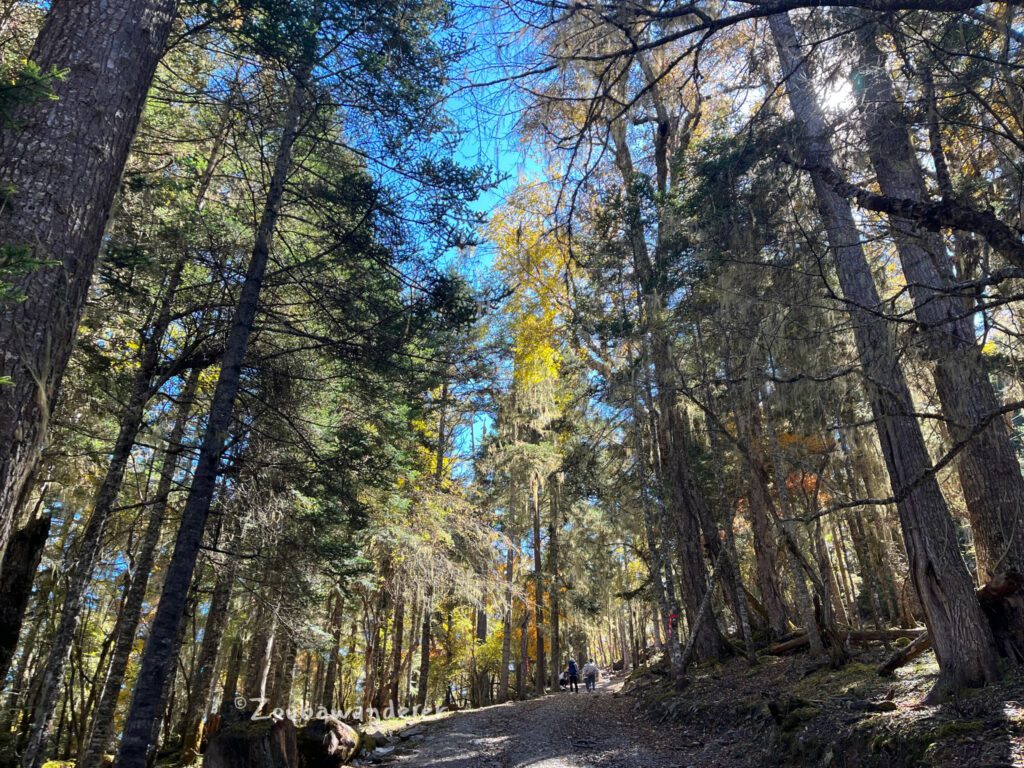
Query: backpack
(572, 669)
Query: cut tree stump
(248, 744)
(327, 743)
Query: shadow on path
(560, 730)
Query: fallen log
(856, 636)
(904, 655)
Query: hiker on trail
(590, 675)
(574, 676)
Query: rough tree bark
(987, 465)
(398, 635)
(327, 699)
(424, 673)
(682, 496)
(64, 163)
(963, 641)
(766, 547)
(661, 577)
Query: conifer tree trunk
(398, 635)
(796, 562)
(128, 618)
(206, 663)
(428, 606)
(765, 542)
(284, 672)
(664, 589)
(524, 654)
(229, 692)
(424, 674)
(64, 163)
(963, 641)
(554, 526)
(131, 420)
(480, 686)
(682, 496)
(540, 673)
(506, 639)
(987, 466)
(327, 699)
(145, 707)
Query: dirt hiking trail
(560, 730)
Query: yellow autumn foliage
(533, 258)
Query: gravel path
(562, 730)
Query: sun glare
(837, 96)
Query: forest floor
(783, 712)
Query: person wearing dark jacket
(574, 676)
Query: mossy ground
(792, 711)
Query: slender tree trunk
(284, 672)
(845, 580)
(131, 421)
(540, 673)
(766, 546)
(682, 497)
(229, 692)
(796, 560)
(128, 619)
(213, 634)
(145, 708)
(398, 634)
(664, 591)
(506, 640)
(524, 654)
(327, 700)
(424, 675)
(481, 676)
(26, 677)
(628, 659)
(64, 158)
(554, 527)
(989, 472)
(963, 640)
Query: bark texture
(64, 162)
(963, 641)
(987, 466)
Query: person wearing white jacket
(591, 673)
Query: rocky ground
(783, 712)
